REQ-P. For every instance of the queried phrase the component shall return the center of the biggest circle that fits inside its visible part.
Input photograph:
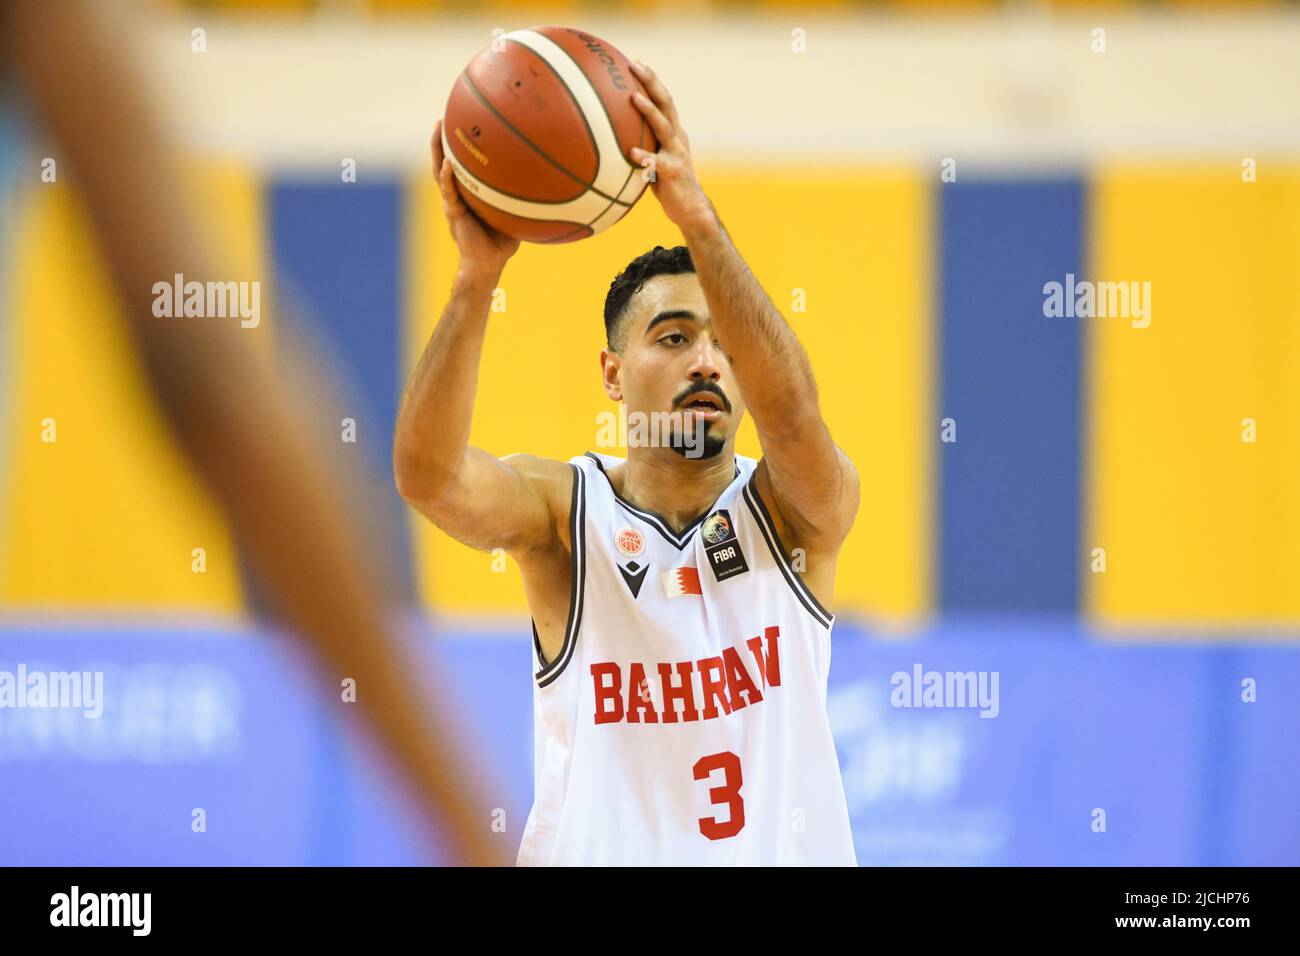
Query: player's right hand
(481, 247)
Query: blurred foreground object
(249, 440)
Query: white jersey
(684, 721)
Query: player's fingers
(452, 204)
(643, 158)
(658, 93)
(435, 147)
(659, 123)
(451, 200)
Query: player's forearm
(765, 355)
(433, 422)
(308, 544)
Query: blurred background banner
(1101, 509)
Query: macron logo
(102, 909)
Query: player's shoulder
(786, 520)
(554, 481)
(550, 475)
(535, 466)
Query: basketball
(538, 129)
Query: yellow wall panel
(857, 243)
(107, 515)
(1198, 525)
(227, 199)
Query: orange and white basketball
(538, 129)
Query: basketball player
(679, 597)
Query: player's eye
(673, 338)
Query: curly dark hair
(658, 261)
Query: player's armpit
(519, 503)
(812, 487)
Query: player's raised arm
(481, 500)
(813, 483)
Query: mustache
(700, 389)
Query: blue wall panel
(337, 248)
(1009, 509)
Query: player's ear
(611, 373)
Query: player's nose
(705, 361)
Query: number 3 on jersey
(728, 794)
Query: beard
(703, 444)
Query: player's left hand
(671, 170)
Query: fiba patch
(722, 546)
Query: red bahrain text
(705, 689)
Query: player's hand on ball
(673, 182)
(482, 248)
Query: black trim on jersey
(768, 528)
(537, 643)
(577, 584)
(656, 520)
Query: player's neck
(677, 489)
